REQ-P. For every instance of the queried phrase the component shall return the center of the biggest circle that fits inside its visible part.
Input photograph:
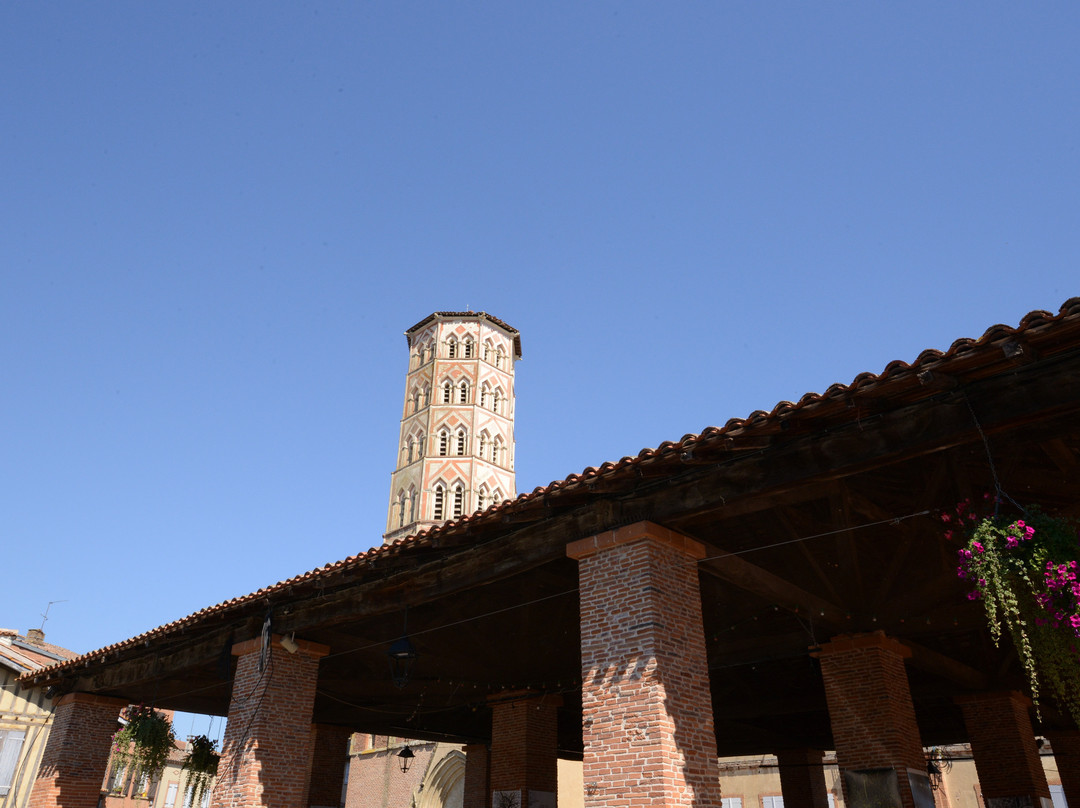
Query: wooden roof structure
(821, 517)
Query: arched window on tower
(481, 498)
(496, 400)
(406, 454)
(496, 497)
(448, 392)
(444, 442)
(451, 348)
(420, 445)
(459, 500)
(463, 392)
(412, 503)
(496, 449)
(439, 508)
(410, 450)
(462, 442)
(416, 400)
(485, 394)
(484, 440)
(425, 397)
(498, 357)
(487, 351)
(401, 510)
(467, 348)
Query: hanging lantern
(405, 759)
(402, 656)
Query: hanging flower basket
(201, 765)
(1025, 572)
(144, 743)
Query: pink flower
(977, 547)
(946, 517)
(973, 595)
(948, 535)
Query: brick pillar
(802, 778)
(524, 740)
(873, 718)
(647, 709)
(477, 791)
(76, 756)
(1066, 746)
(329, 755)
(1003, 745)
(266, 755)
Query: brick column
(1066, 746)
(524, 740)
(266, 755)
(1003, 745)
(872, 717)
(76, 756)
(477, 791)
(329, 755)
(802, 778)
(647, 709)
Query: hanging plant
(201, 765)
(1024, 571)
(144, 743)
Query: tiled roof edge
(1031, 321)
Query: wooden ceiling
(818, 520)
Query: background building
(25, 711)
(456, 452)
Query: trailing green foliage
(201, 765)
(1024, 571)
(143, 745)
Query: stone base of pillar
(802, 778)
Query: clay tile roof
(757, 422)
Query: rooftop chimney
(36, 636)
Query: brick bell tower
(456, 453)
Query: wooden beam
(751, 578)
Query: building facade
(456, 447)
(25, 712)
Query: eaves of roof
(998, 343)
(479, 315)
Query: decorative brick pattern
(477, 782)
(1066, 746)
(647, 710)
(267, 748)
(802, 778)
(1003, 745)
(524, 740)
(329, 754)
(76, 756)
(870, 708)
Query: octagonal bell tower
(456, 452)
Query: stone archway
(444, 785)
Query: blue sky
(217, 219)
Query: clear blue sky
(217, 219)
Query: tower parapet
(456, 451)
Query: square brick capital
(639, 531)
(306, 647)
(845, 643)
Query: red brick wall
(477, 788)
(75, 758)
(376, 779)
(1003, 745)
(870, 708)
(802, 778)
(267, 748)
(523, 744)
(329, 754)
(647, 710)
